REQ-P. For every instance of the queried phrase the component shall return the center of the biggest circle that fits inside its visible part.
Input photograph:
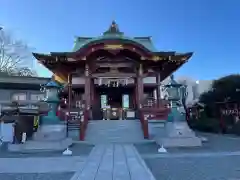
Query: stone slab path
(41, 165)
(114, 162)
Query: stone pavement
(78, 149)
(36, 176)
(218, 159)
(211, 167)
(41, 165)
(114, 162)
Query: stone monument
(177, 131)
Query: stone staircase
(73, 130)
(114, 131)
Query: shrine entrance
(113, 97)
(113, 102)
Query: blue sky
(209, 28)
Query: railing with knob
(152, 110)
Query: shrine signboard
(231, 112)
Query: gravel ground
(216, 143)
(77, 149)
(36, 176)
(192, 168)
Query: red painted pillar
(136, 94)
(69, 93)
(140, 95)
(87, 88)
(140, 89)
(158, 81)
(69, 100)
(87, 96)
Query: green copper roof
(113, 33)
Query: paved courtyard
(218, 159)
(78, 149)
(225, 167)
(36, 176)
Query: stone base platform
(50, 132)
(178, 134)
(181, 142)
(40, 146)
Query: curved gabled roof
(113, 33)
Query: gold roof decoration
(157, 58)
(113, 46)
(58, 79)
(71, 59)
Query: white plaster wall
(149, 80)
(78, 80)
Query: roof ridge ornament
(113, 29)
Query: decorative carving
(184, 58)
(114, 70)
(113, 46)
(156, 58)
(113, 29)
(114, 82)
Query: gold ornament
(113, 46)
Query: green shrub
(205, 124)
(235, 129)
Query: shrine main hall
(112, 71)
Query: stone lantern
(51, 90)
(176, 94)
(51, 127)
(177, 131)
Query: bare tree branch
(15, 56)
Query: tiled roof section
(146, 42)
(80, 41)
(114, 33)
